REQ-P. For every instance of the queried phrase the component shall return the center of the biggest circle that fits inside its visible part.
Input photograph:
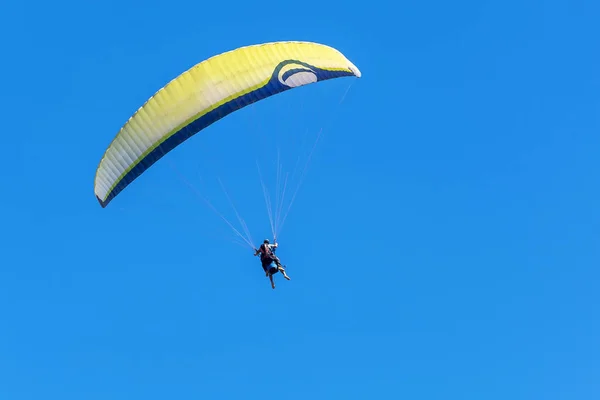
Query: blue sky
(444, 244)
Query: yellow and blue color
(206, 93)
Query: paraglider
(268, 258)
(206, 93)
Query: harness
(266, 250)
(267, 255)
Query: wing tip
(354, 69)
(102, 203)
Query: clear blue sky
(444, 245)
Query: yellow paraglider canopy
(206, 93)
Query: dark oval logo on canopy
(294, 74)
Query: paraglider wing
(206, 93)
